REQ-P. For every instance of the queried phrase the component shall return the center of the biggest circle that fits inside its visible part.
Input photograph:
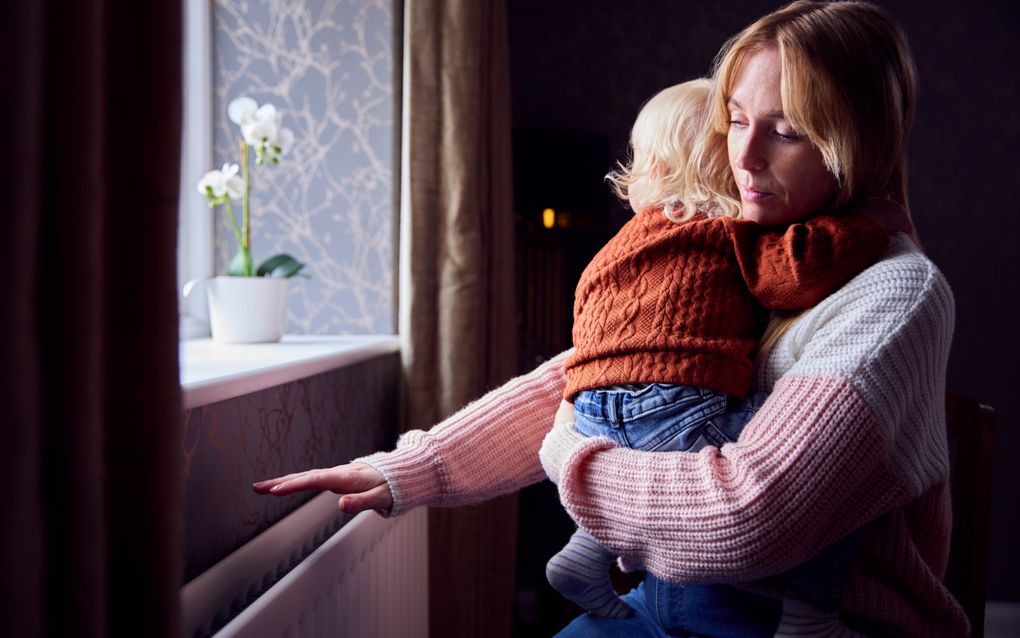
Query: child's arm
(800, 265)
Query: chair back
(971, 430)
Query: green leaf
(282, 265)
(241, 265)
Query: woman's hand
(559, 443)
(362, 487)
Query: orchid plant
(262, 135)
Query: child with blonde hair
(661, 142)
(668, 314)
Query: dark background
(580, 69)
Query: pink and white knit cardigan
(852, 435)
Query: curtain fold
(456, 284)
(90, 543)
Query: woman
(813, 104)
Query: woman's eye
(737, 122)
(789, 137)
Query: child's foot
(800, 619)
(580, 572)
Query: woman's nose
(749, 156)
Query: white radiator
(368, 580)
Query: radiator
(367, 580)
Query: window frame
(195, 224)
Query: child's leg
(654, 416)
(801, 619)
(580, 572)
(813, 591)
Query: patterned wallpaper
(319, 421)
(327, 64)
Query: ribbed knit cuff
(560, 446)
(556, 449)
(411, 474)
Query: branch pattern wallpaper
(328, 65)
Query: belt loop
(615, 409)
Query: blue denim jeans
(663, 417)
(664, 609)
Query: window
(328, 66)
(253, 411)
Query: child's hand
(559, 442)
(361, 485)
(565, 413)
(888, 214)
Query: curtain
(90, 535)
(456, 281)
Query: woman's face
(780, 173)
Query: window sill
(212, 372)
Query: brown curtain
(90, 532)
(456, 305)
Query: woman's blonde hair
(848, 83)
(661, 142)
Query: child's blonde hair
(661, 142)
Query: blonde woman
(812, 104)
(667, 315)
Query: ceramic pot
(246, 309)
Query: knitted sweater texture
(684, 302)
(852, 436)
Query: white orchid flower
(285, 141)
(241, 110)
(224, 182)
(232, 182)
(261, 127)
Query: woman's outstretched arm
(488, 448)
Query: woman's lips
(753, 196)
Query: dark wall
(590, 64)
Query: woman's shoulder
(904, 281)
(897, 311)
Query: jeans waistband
(621, 403)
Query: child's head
(661, 142)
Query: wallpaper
(319, 421)
(327, 65)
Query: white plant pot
(246, 309)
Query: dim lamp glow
(548, 218)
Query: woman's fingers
(307, 480)
(350, 479)
(310, 480)
(377, 498)
(263, 487)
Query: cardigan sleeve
(850, 432)
(800, 265)
(488, 448)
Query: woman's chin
(754, 212)
(771, 213)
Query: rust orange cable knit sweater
(684, 302)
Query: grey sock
(580, 572)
